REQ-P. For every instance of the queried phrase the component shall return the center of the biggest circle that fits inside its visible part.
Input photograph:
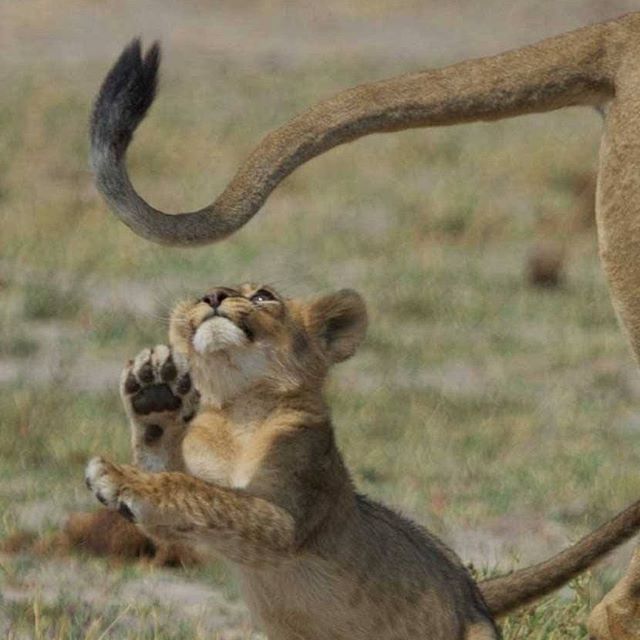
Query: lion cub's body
(257, 477)
(363, 563)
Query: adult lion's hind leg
(618, 198)
(617, 617)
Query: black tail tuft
(124, 98)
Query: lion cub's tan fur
(250, 470)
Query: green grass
(44, 301)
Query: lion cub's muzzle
(232, 307)
(223, 323)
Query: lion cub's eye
(262, 295)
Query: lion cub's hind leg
(160, 400)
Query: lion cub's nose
(215, 298)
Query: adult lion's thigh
(617, 616)
(618, 199)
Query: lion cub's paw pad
(157, 397)
(158, 381)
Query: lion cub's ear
(339, 322)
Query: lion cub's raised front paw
(156, 387)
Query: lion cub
(254, 474)
(235, 454)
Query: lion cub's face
(239, 337)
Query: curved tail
(506, 593)
(576, 68)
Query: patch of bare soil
(84, 583)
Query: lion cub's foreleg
(160, 400)
(177, 507)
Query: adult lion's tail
(576, 68)
(506, 593)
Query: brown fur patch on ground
(100, 533)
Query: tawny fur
(102, 533)
(598, 65)
(253, 473)
(617, 617)
(106, 533)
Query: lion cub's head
(241, 337)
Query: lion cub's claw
(101, 478)
(158, 381)
(99, 481)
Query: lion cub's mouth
(217, 333)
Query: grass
(44, 301)
(476, 400)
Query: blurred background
(495, 399)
